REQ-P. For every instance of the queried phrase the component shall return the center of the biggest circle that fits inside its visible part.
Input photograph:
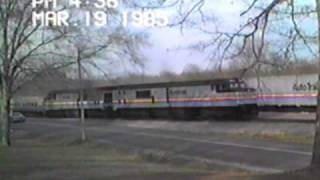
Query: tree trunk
(4, 85)
(4, 114)
(316, 147)
(81, 99)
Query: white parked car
(17, 117)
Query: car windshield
(17, 114)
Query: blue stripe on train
(308, 101)
(229, 103)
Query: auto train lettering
(305, 86)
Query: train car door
(108, 98)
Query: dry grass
(281, 137)
(63, 157)
(37, 161)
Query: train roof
(71, 91)
(150, 85)
(168, 84)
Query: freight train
(178, 100)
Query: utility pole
(81, 95)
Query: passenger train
(179, 100)
(187, 100)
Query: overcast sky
(164, 56)
(169, 52)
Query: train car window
(213, 87)
(178, 92)
(218, 88)
(108, 98)
(85, 97)
(52, 97)
(143, 94)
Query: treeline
(194, 72)
(60, 79)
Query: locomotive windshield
(232, 86)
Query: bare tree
(280, 21)
(20, 45)
(27, 51)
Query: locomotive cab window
(243, 85)
(146, 94)
(233, 86)
(240, 86)
(221, 88)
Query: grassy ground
(63, 157)
(281, 137)
(36, 156)
(78, 161)
(35, 161)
